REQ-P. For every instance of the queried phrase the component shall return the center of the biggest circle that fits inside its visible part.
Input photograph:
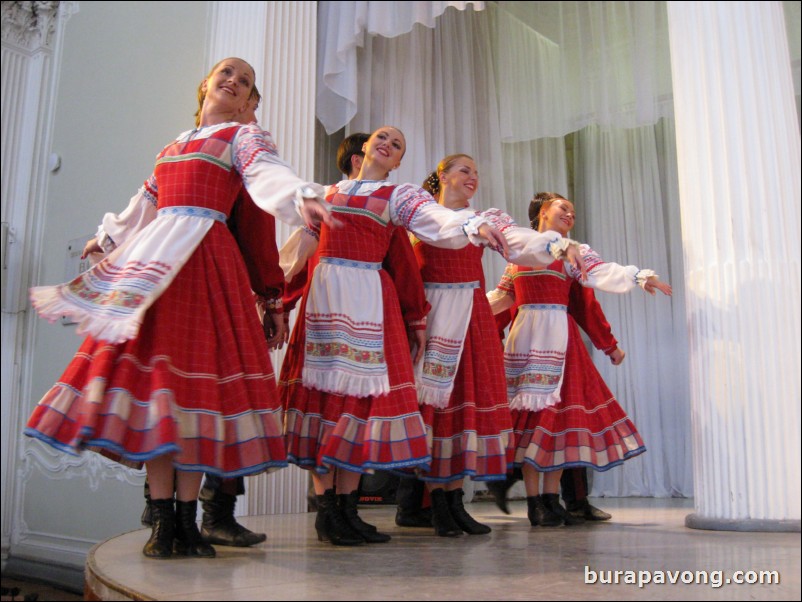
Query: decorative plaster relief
(31, 25)
(57, 465)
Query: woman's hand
(655, 284)
(617, 356)
(574, 257)
(314, 212)
(275, 330)
(417, 342)
(495, 239)
(90, 247)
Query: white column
(738, 153)
(31, 47)
(278, 40)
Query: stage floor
(645, 539)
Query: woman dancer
(563, 413)
(175, 371)
(461, 379)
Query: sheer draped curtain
(572, 97)
(626, 187)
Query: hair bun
(432, 184)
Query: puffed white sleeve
(142, 209)
(296, 252)
(608, 276)
(528, 247)
(416, 210)
(503, 296)
(271, 182)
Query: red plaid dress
(472, 436)
(360, 433)
(587, 427)
(197, 379)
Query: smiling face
(558, 215)
(229, 86)
(460, 180)
(384, 150)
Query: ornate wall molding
(30, 25)
(31, 51)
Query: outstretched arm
(531, 248)
(416, 210)
(653, 283)
(273, 184)
(615, 278)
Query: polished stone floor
(646, 539)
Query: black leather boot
(330, 524)
(552, 501)
(460, 515)
(442, 521)
(188, 541)
(147, 514)
(417, 518)
(539, 513)
(582, 508)
(409, 497)
(160, 544)
(347, 503)
(499, 489)
(219, 525)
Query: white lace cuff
(471, 229)
(308, 191)
(643, 276)
(558, 247)
(104, 240)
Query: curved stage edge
(514, 562)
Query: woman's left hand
(495, 239)
(90, 247)
(655, 284)
(275, 330)
(417, 342)
(617, 356)
(314, 212)
(574, 257)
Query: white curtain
(343, 28)
(625, 189)
(793, 25)
(565, 65)
(530, 167)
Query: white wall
(128, 80)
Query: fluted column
(278, 40)
(31, 48)
(738, 150)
